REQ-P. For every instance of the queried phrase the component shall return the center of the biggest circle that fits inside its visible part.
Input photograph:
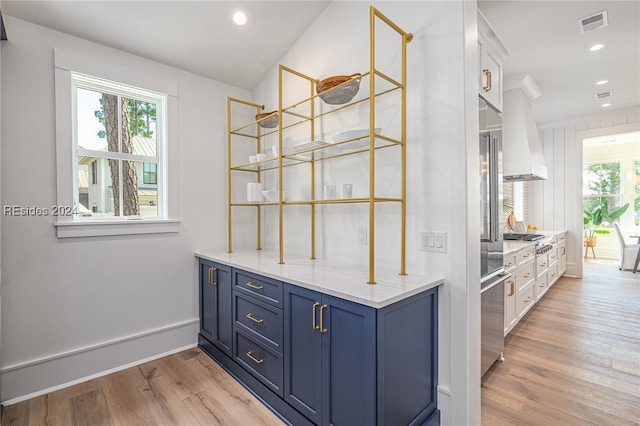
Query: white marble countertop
(320, 275)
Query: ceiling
(544, 40)
(199, 36)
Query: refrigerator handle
(495, 189)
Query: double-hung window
(116, 135)
(119, 138)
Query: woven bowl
(338, 89)
(268, 120)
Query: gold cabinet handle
(542, 265)
(212, 279)
(322, 329)
(527, 275)
(313, 316)
(508, 265)
(526, 255)
(528, 299)
(254, 319)
(512, 290)
(487, 75)
(254, 359)
(256, 287)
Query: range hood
(522, 153)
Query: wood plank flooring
(573, 360)
(187, 388)
(575, 357)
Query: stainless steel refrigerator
(491, 251)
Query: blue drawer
(263, 363)
(259, 319)
(262, 288)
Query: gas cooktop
(523, 237)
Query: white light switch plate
(433, 241)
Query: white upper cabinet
(491, 56)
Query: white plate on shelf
(356, 133)
(307, 145)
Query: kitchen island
(317, 344)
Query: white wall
(556, 203)
(442, 168)
(81, 306)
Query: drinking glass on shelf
(346, 190)
(329, 192)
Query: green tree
(601, 186)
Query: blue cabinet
(330, 358)
(215, 305)
(317, 359)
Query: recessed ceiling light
(601, 82)
(240, 18)
(596, 47)
(605, 105)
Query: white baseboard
(444, 405)
(37, 377)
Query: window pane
(96, 199)
(150, 173)
(601, 178)
(139, 127)
(90, 120)
(636, 196)
(147, 188)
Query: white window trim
(68, 62)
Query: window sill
(116, 227)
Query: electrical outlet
(433, 241)
(362, 235)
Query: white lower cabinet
(521, 265)
(525, 299)
(532, 276)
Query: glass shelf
(269, 164)
(339, 149)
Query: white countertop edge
(315, 275)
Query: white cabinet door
(510, 317)
(490, 84)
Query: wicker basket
(268, 120)
(338, 89)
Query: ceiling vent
(593, 22)
(604, 95)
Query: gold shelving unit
(304, 112)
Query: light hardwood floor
(574, 359)
(187, 388)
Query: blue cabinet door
(216, 319)
(348, 363)
(303, 352)
(330, 360)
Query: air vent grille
(593, 22)
(603, 95)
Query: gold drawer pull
(487, 85)
(512, 289)
(508, 265)
(321, 328)
(254, 359)
(256, 287)
(542, 265)
(212, 272)
(528, 299)
(313, 316)
(526, 255)
(254, 319)
(527, 275)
